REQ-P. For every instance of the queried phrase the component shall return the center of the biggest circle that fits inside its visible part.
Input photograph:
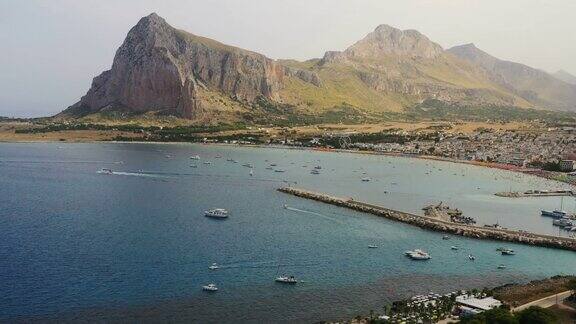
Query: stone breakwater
(439, 225)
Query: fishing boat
(216, 213)
(210, 287)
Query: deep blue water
(78, 244)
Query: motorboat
(445, 237)
(106, 171)
(207, 162)
(195, 157)
(287, 279)
(508, 252)
(315, 171)
(216, 213)
(210, 287)
(501, 266)
(193, 166)
(251, 172)
(418, 255)
(454, 247)
(562, 222)
(366, 179)
(318, 167)
(372, 246)
(471, 257)
(248, 165)
(279, 170)
(214, 266)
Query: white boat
(471, 257)
(501, 266)
(251, 172)
(287, 279)
(216, 213)
(562, 222)
(366, 179)
(454, 247)
(508, 252)
(372, 246)
(418, 255)
(106, 171)
(214, 266)
(210, 287)
(248, 165)
(195, 157)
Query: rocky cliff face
(161, 68)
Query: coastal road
(546, 301)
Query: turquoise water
(133, 245)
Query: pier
(536, 193)
(436, 224)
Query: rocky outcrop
(161, 68)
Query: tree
(536, 315)
(493, 316)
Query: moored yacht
(216, 213)
(554, 213)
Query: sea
(132, 244)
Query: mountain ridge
(159, 68)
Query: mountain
(565, 76)
(536, 86)
(162, 70)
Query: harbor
(437, 224)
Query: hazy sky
(50, 50)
